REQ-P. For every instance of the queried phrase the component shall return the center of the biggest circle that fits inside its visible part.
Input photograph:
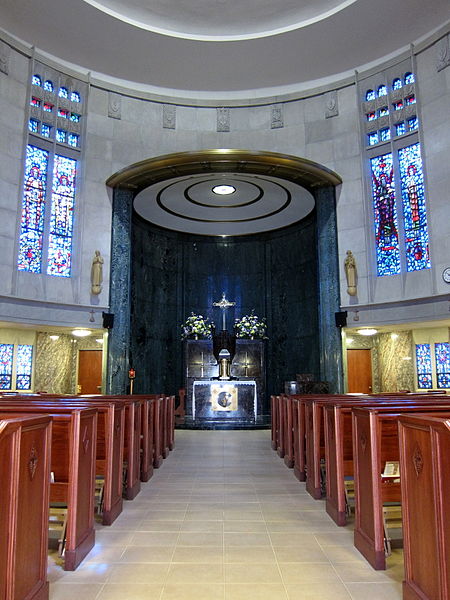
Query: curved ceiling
(176, 47)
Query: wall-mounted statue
(97, 273)
(350, 273)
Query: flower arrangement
(196, 326)
(251, 326)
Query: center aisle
(224, 519)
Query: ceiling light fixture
(81, 332)
(224, 190)
(99, 340)
(367, 331)
(54, 337)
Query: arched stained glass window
(370, 95)
(385, 215)
(6, 366)
(409, 78)
(24, 363)
(63, 92)
(33, 205)
(442, 355)
(397, 84)
(61, 220)
(382, 90)
(424, 366)
(414, 209)
(48, 86)
(36, 80)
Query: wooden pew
(157, 404)
(73, 447)
(24, 499)
(109, 448)
(375, 441)
(339, 445)
(424, 472)
(274, 421)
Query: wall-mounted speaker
(341, 318)
(108, 320)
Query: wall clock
(446, 275)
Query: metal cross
(224, 305)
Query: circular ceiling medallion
(252, 204)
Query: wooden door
(359, 371)
(90, 371)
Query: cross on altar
(224, 305)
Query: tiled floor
(224, 519)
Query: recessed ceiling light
(367, 331)
(99, 340)
(224, 190)
(81, 332)
(54, 337)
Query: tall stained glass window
(414, 209)
(442, 354)
(385, 213)
(24, 362)
(424, 366)
(6, 366)
(33, 205)
(61, 219)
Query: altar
(237, 402)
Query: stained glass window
(442, 354)
(63, 92)
(47, 107)
(24, 362)
(410, 100)
(33, 125)
(385, 214)
(35, 102)
(409, 78)
(63, 113)
(371, 116)
(398, 105)
(383, 111)
(61, 136)
(6, 366)
(370, 95)
(36, 80)
(382, 90)
(385, 134)
(373, 138)
(72, 139)
(75, 118)
(32, 222)
(413, 123)
(414, 209)
(46, 129)
(397, 84)
(75, 97)
(424, 367)
(400, 128)
(61, 219)
(48, 86)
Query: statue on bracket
(97, 273)
(350, 273)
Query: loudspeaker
(108, 320)
(341, 318)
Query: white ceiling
(177, 47)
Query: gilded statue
(350, 273)
(97, 273)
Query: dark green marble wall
(173, 274)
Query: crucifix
(224, 305)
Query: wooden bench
(73, 447)
(375, 441)
(24, 499)
(110, 443)
(424, 471)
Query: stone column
(331, 367)
(120, 293)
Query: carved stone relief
(276, 116)
(114, 106)
(443, 53)
(223, 119)
(169, 116)
(331, 104)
